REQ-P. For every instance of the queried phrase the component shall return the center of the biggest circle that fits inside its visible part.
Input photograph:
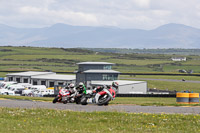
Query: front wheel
(84, 101)
(103, 100)
(78, 100)
(55, 99)
(65, 102)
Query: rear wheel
(103, 100)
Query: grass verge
(57, 121)
(27, 98)
(143, 101)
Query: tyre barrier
(187, 98)
(194, 98)
(182, 98)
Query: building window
(60, 83)
(25, 80)
(105, 77)
(10, 78)
(109, 77)
(18, 80)
(34, 82)
(80, 68)
(43, 82)
(107, 67)
(51, 84)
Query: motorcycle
(101, 98)
(64, 96)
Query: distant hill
(67, 36)
(170, 51)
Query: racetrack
(91, 108)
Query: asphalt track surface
(92, 108)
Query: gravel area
(91, 107)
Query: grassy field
(3, 74)
(178, 86)
(194, 78)
(168, 85)
(59, 59)
(57, 121)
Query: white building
(53, 79)
(125, 86)
(179, 58)
(49, 79)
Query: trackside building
(126, 87)
(98, 71)
(49, 79)
(90, 73)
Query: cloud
(142, 3)
(141, 14)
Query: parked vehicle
(3, 85)
(32, 89)
(6, 92)
(15, 89)
(26, 85)
(41, 93)
(100, 98)
(4, 88)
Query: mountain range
(68, 36)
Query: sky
(139, 14)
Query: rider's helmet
(71, 85)
(115, 84)
(81, 85)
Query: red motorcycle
(64, 96)
(103, 97)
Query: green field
(194, 78)
(167, 85)
(59, 121)
(64, 60)
(60, 59)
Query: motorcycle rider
(80, 89)
(98, 89)
(72, 91)
(72, 88)
(115, 86)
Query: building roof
(100, 71)
(95, 63)
(29, 73)
(120, 82)
(55, 77)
